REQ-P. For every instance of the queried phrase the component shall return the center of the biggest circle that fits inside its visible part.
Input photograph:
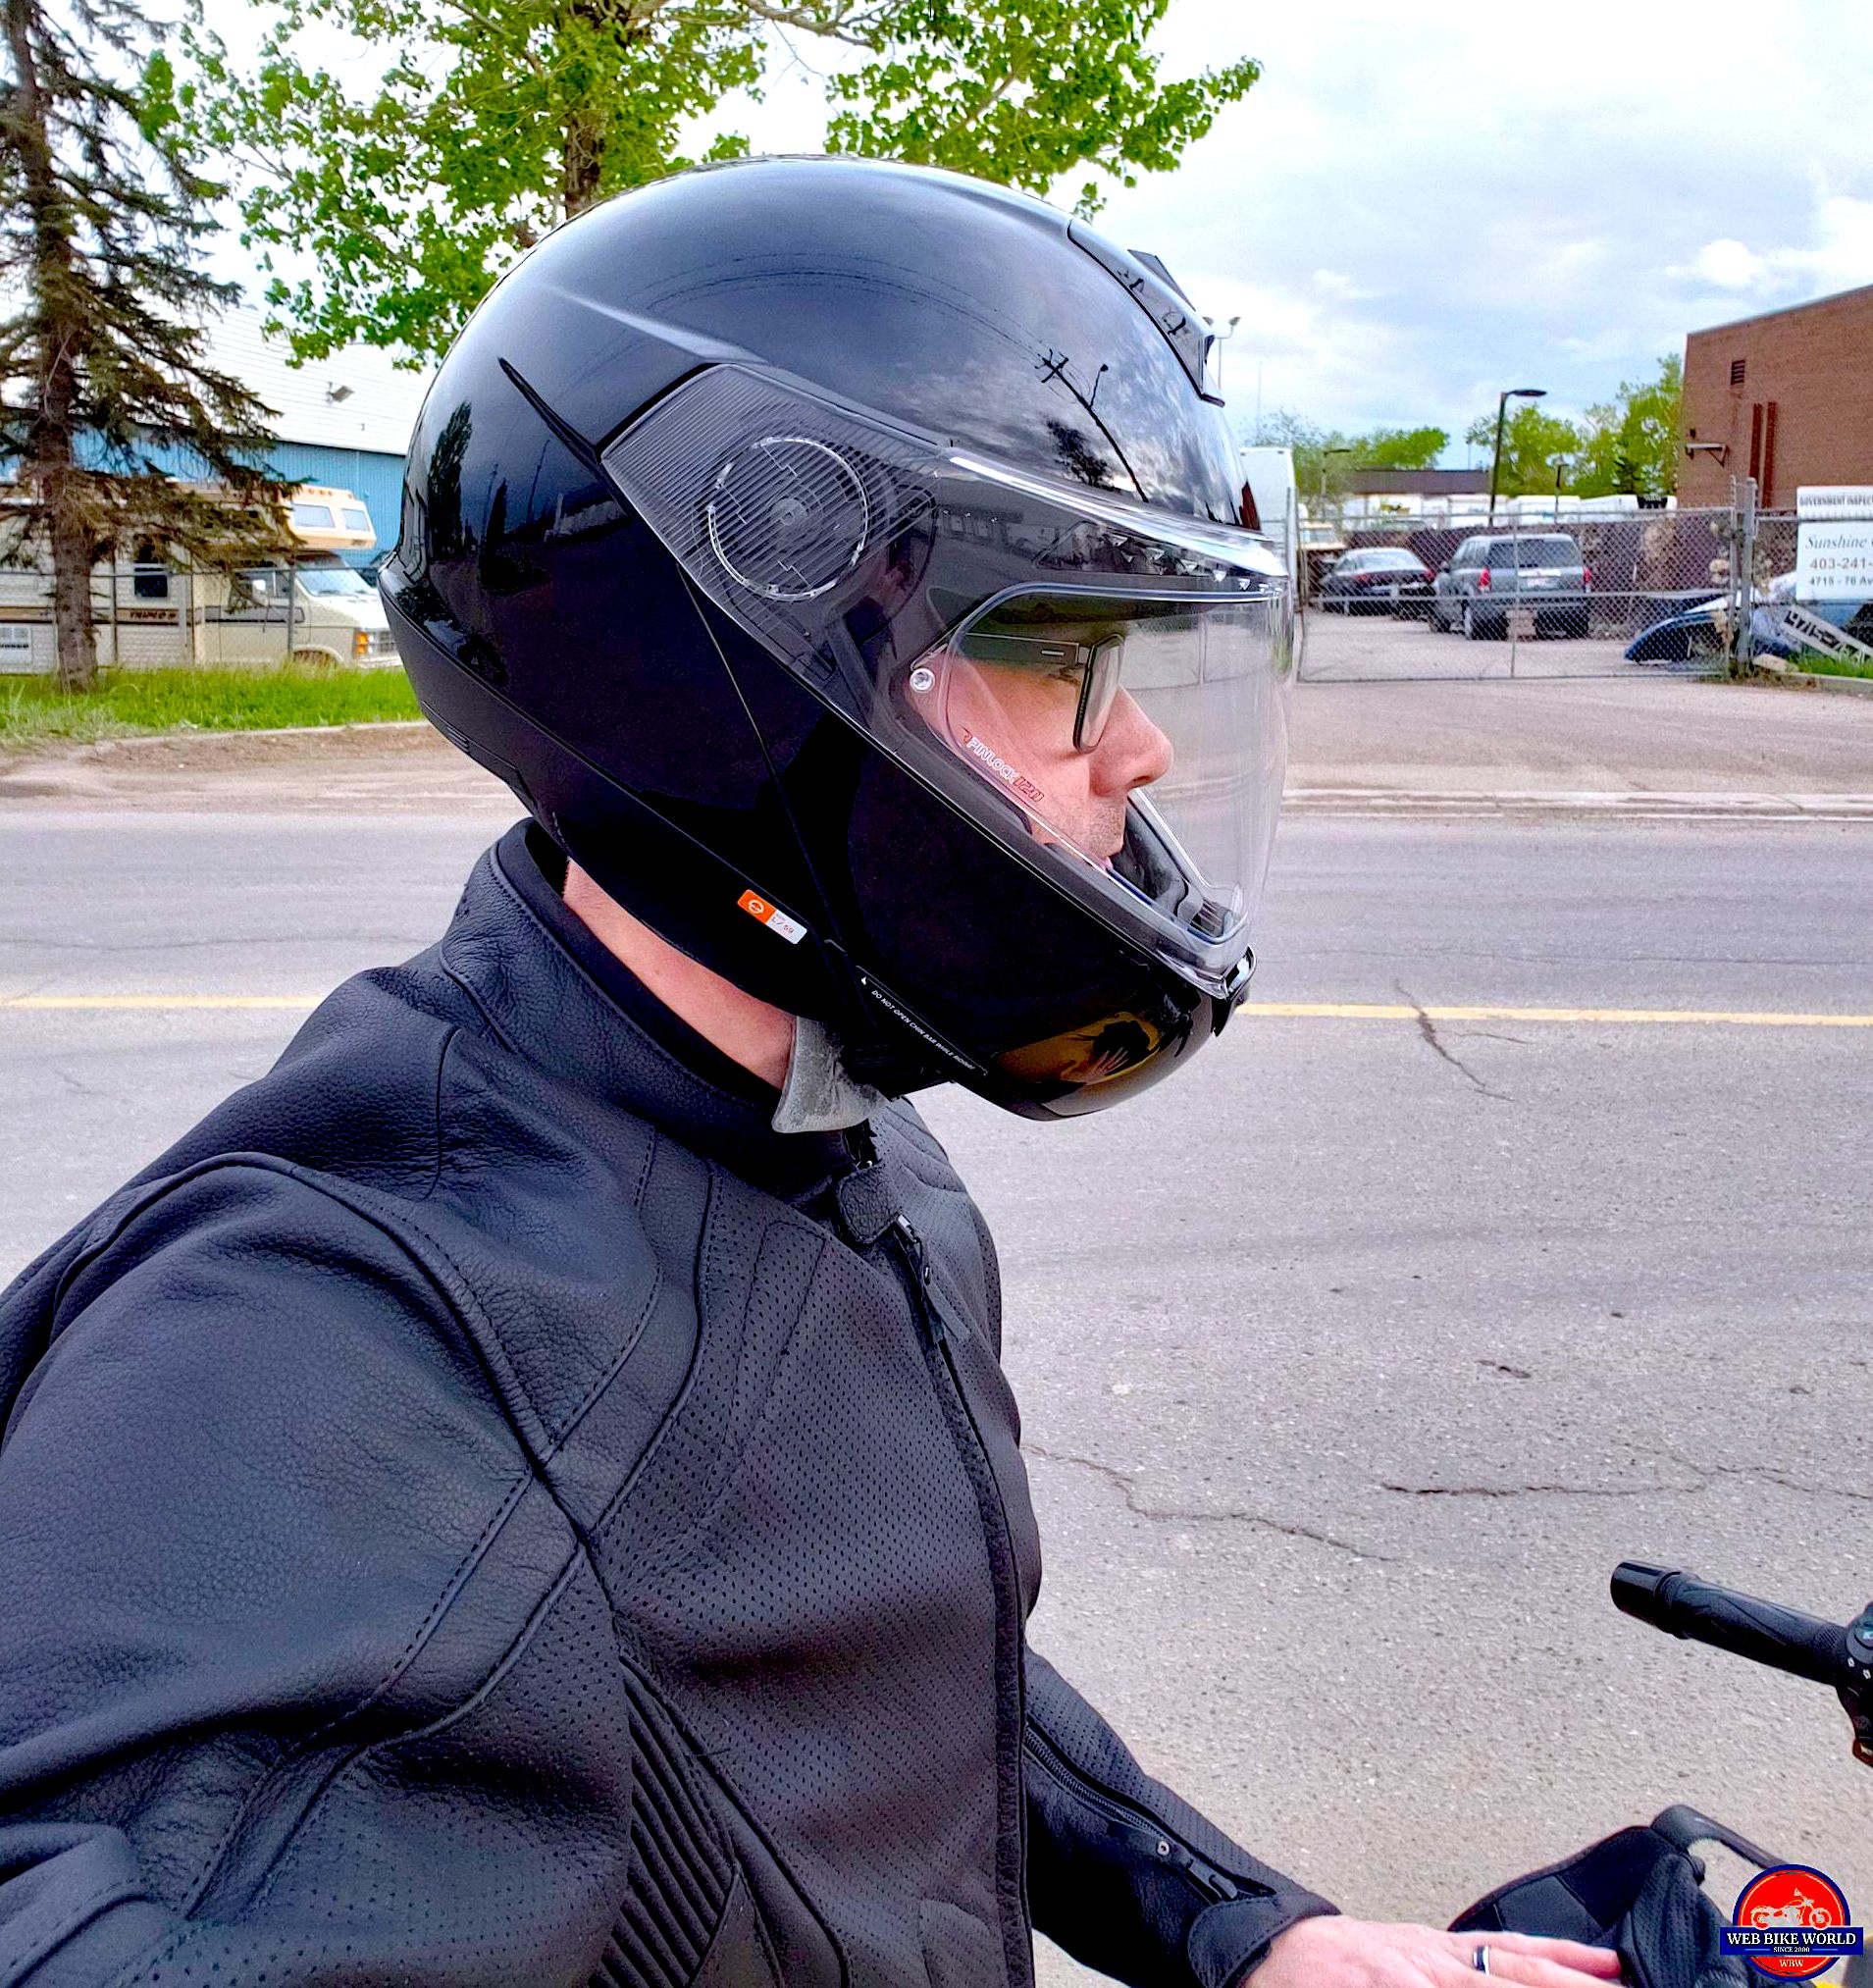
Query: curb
(65, 751)
(155, 741)
(1847, 686)
(1810, 679)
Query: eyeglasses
(1092, 669)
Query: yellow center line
(1308, 1010)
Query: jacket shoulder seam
(437, 1109)
(628, 1344)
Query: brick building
(1787, 397)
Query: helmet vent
(788, 516)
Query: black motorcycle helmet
(843, 562)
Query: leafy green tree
(1324, 459)
(1631, 442)
(492, 120)
(1534, 446)
(1321, 454)
(103, 366)
(1403, 447)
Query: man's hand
(1336, 1952)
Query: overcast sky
(1410, 212)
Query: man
(525, 1492)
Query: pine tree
(104, 370)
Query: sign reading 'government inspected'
(1834, 542)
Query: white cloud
(1512, 202)
(1843, 254)
(1726, 264)
(1838, 255)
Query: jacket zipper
(943, 1327)
(1128, 1815)
(937, 1316)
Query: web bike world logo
(1791, 1923)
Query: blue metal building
(345, 421)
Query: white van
(241, 617)
(1268, 485)
(309, 608)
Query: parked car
(1376, 580)
(1679, 637)
(1701, 630)
(1491, 573)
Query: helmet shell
(548, 632)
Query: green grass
(33, 712)
(1831, 666)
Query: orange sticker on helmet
(773, 916)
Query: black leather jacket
(484, 1508)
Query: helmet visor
(1101, 686)
(1143, 734)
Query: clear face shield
(1098, 685)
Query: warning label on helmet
(773, 916)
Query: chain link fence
(300, 613)
(1569, 592)
(1557, 591)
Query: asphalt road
(1350, 1365)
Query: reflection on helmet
(1094, 1054)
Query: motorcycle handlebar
(1765, 1632)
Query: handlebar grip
(1765, 1632)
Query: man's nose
(1132, 752)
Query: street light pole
(1507, 395)
(1348, 449)
(1218, 338)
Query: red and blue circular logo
(1791, 1923)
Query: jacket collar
(563, 1003)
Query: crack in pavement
(1126, 1484)
(87, 1090)
(1763, 1473)
(1429, 1031)
(1705, 1474)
